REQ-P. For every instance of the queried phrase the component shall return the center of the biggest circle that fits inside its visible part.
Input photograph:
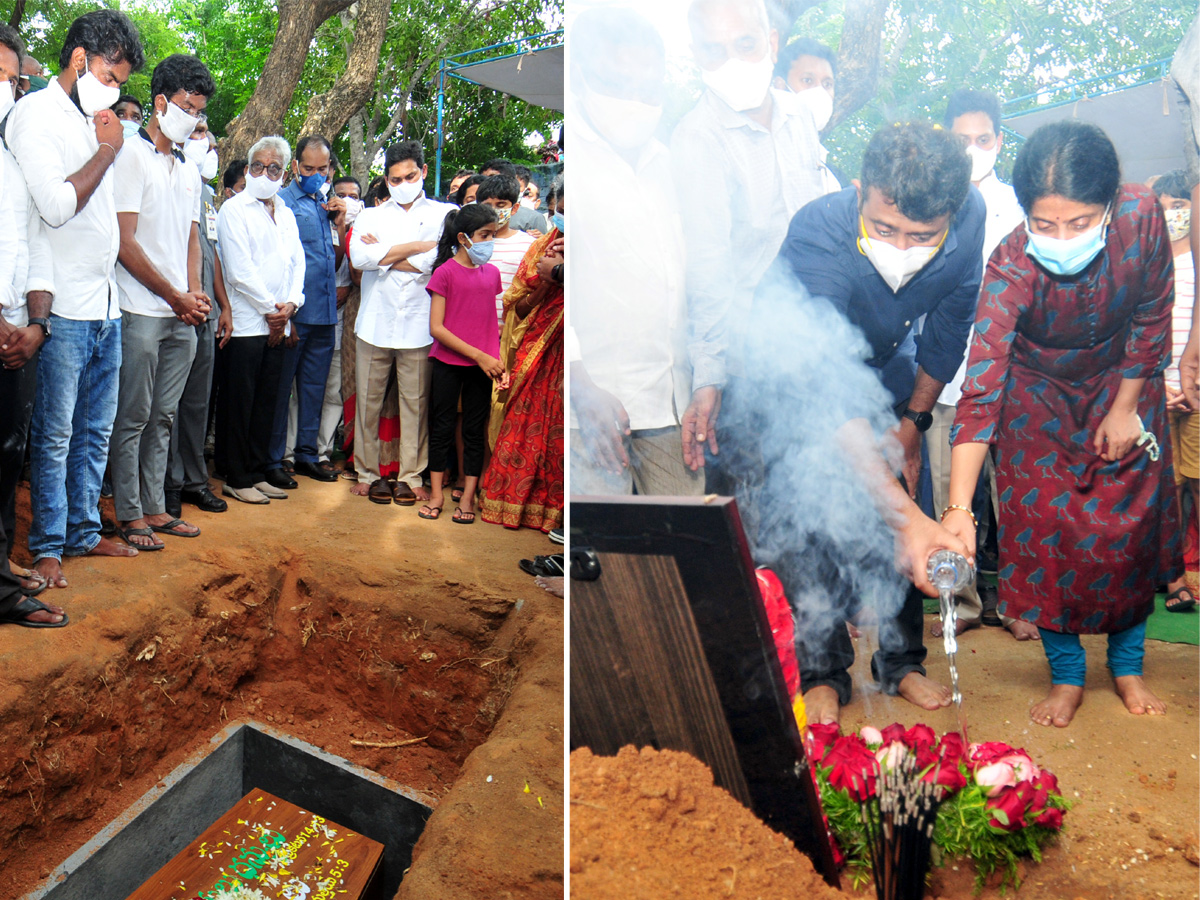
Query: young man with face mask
(501, 192)
(66, 138)
(808, 69)
(756, 152)
(162, 301)
(394, 246)
(522, 219)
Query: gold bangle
(965, 509)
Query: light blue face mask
(559, 222)
(1067, 257)
(130, 128)
(480, 252)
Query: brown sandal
(380, 491)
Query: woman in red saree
(523, 485)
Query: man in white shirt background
(974, 116)
(262, 262)
(627, 347)
(162, 300)
(66, 138)
(394, 246)
(808, 69)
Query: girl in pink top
(466, 344)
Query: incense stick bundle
(899, 821)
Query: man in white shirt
(627, 347)
(808, 69)
(394, 246)
(157, 195)
(756, 152)
(975, 116)
(262, 261)
(26, 287)
(66, 139)
(501, 192)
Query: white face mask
(982, 161)
(626, 124)
(353, 207)
(261, 187)
(95, 95)
(194, 151)
(176, 124)
(743, 85)
(211, 166)
(7, 99)
(895, 266)
(406, 191)
(819, 102)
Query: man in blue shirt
(901, 246)
(311, 345)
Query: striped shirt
(506, 256)
(1181, 315)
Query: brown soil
(647, 825)
(330, 618)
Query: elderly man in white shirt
(158, 273)
(394, 246)
(262, 261)
(627, 346)
(65, 139)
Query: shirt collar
(782, 108)
(63, 99)
(420, 201)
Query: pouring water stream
(950, 572)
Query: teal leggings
(1068, 663)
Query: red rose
(926, 757)
(823, 737)
(1051, 818)
(948, 775)
(853, 768)
(1047, 781)
(894, 732)
(1038, 801)
(919, 737)
(989, 752)
(952, 748)
(1013, 801)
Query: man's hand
(369, 239)
(1116, 435)
(274, 337)
(109, 129)
(918, 539)
(276, 320)
(292, 339)
(18, 345)
(603, 425)
(224, 327)
(191, 307)
(910, 442)
(1177, 400)
(336, 207)
(1189, 370)
(700, 426)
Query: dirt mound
(651, 824)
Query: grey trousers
(655, 467)
(187, 470)
(156, 358)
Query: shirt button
(906, 324)
(894, 346)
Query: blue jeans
(1068, 662)
(73, 414)
(307, 364)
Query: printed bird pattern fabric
(1083, 542)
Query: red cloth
(783, 628)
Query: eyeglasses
(273, 171)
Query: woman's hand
(1117, 434)
(960, 524)
(491, 366)
(1177, 400)
(505, 381)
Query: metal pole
(437, 172)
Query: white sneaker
(268, 490)
(246, 495)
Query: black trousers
(249, 372)
(16, 409)
(448, 384)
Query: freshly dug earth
(342, 622)
(650, 824)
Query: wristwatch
(921, 419)
(43, 323)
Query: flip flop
(434, 514)
(25, 608)
(460, 517)
(41, 583)
(548, 566)
(141, 532)
(1183, 605)
(169, 528)
(456, 494)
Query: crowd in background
(156, 334)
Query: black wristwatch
(44, 323)
(556, 273)
(921, 419)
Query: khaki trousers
(373, 367)
(655, 467)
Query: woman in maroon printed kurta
(1072, 334)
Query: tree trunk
(360, 166)
(329, 112)
(858, 56)
(264, 113)
(18, 13)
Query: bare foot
(181, 530)
(551, 583)
(1059, 706)
(923, 692)
(959, 627)
(111, 548)
(1138, 699)
(51, 570)
(360, 489)
(422, 492)
(30, 580)
(1024, 631)
(855, 634)
(821, 705)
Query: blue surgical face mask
(130, 128)
(311, 184)
(1071, 256)
(559, 222)
(480, 252)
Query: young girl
(466, 344)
